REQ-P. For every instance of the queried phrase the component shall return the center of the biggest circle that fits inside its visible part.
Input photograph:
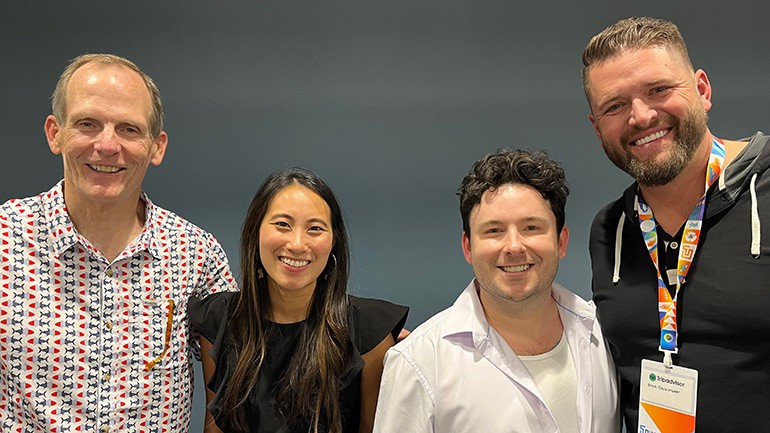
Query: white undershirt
(555, 378)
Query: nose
(107, 142)
(513, 243)
(296, 242)
(641, 113)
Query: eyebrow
(316, 220)
(601, 105)
(491, 222)
(319, 221)
(618, 95)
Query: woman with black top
(292, 351)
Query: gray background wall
(389, 101)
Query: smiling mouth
(104, 168)
(294, 263)
(519, 268)
(651, 137)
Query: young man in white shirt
(516, 352)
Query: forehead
(635, 67)
(299, 201)
(512, 201)
(109, 84)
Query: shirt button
(109, 274)
(673, 245)
(105, 429)
(108, 325)
(107, 376)
(587, 389)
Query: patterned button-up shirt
(97, 346)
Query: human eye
(659, 90)
(281, 224)
(131, 131)
(613, 108)
(317, 229)
(85, 125)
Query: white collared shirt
(456, 374)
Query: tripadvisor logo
(653, 378)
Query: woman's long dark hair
(309, 388)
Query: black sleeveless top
(371, 320)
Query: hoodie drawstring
(618, 248)
(756, 233)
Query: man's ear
(563, 241)
(466, 241)
(159, 148)
(52, 130)
(703, 85)
(596, 128)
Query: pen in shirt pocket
(166, 337)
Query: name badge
(667, 398)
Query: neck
(289, 306)
(110, 227)
(529, 328)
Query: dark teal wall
(389, 101)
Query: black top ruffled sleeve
(371, 320)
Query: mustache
(625, 138)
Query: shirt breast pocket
(155, 329)
(154, 355)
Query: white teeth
(294, 263)
(104, 168)
(649, 138)
(520, 268)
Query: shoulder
(21, 208)
(423, 342)
(572, 303)
(608, 214)
(371, 320)
(22, 215)
(172, 231)
(169, 222)
(609, 218)
(209, 315)
(13, 213)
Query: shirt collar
(64, 235)
(149, 239)
(572, 306)
(468, 325)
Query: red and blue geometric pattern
(77, 331)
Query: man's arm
(208, 371)
(371, 376)
(405, 403)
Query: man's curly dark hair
(526, 167)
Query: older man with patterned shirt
(94, 278)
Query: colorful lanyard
(687, 248)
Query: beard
(689, 133)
